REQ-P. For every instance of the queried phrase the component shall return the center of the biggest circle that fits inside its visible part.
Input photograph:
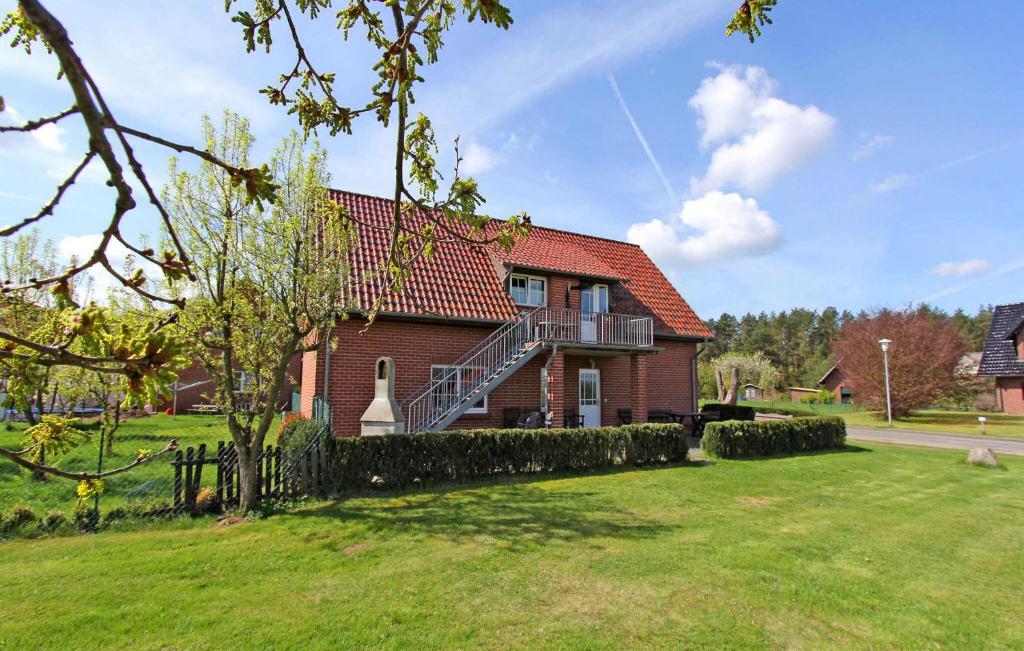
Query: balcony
(564, 326)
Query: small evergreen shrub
(296, 433)
(53, 522)
(730, 412)
(401, 460)
(16, 518)
(736, 439)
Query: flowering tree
(923, 357)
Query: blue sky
(859, 159)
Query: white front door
(590, 397)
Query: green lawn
(153, 480)
(941, 420)
(925, 420)
(875, 547)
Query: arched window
(382, 370)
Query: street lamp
(884, 343)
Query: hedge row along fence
(744, 438)
(402, 460)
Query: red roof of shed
(463, 281)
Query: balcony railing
(559, 325)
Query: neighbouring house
(1003, 357)
(196, 387)
(579, 329)
(752, 392)
(796, 393)
(838, 383)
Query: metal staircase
(457, 388)
(449, 394)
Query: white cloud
(875, 143)
(961, 269)
(81, 247)
(761, 136)
(891, 183)
(714, 227)
(478, 159)
(48, 138)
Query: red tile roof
(462, 281)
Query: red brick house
(196, 387)
(577, 327)
(836, 381)
(1003, 357)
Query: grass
(154, 480)
(877, 546)
(925, 420)
(942, 420)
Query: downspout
(546, 384)
(327, 363)
(693, 368)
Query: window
(449, 382)
(594, 299)
(528, 290)
(242, 381)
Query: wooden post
(229, 471)
(277, 472)
(220, 475)
(177, 478)
(259, 475)
(190, 498)
(198, 475)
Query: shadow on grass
(518, 511)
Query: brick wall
(415, 346)
(204, 393)
(1010, 393)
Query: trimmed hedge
(785, 411)
(730, 412)
(401, 460)
(737, 439)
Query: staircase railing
(460, 384)
(447, 391)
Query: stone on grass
(982, 457)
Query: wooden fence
(281, 475)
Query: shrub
(784, 411)
(400, 460)
(205, 500)
(729, 440)
(296, 432)
(53, 521)
(730, 412)
(16, 518)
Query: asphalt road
(936, 440)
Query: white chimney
(383, 416)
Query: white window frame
(242, 379)
(529, 294)
(458, 382)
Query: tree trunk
(721, 385)
(734, 385)
(247, 479)
(30, 416)
(114, 424)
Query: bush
(53, 521)
(784, 411)
(730, 412)
(16, 518)
(730, 440)
(400, 460)
(296, 432)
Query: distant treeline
(799, 341)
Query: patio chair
(531, 420)
(572, 418)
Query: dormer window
(528, 290)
